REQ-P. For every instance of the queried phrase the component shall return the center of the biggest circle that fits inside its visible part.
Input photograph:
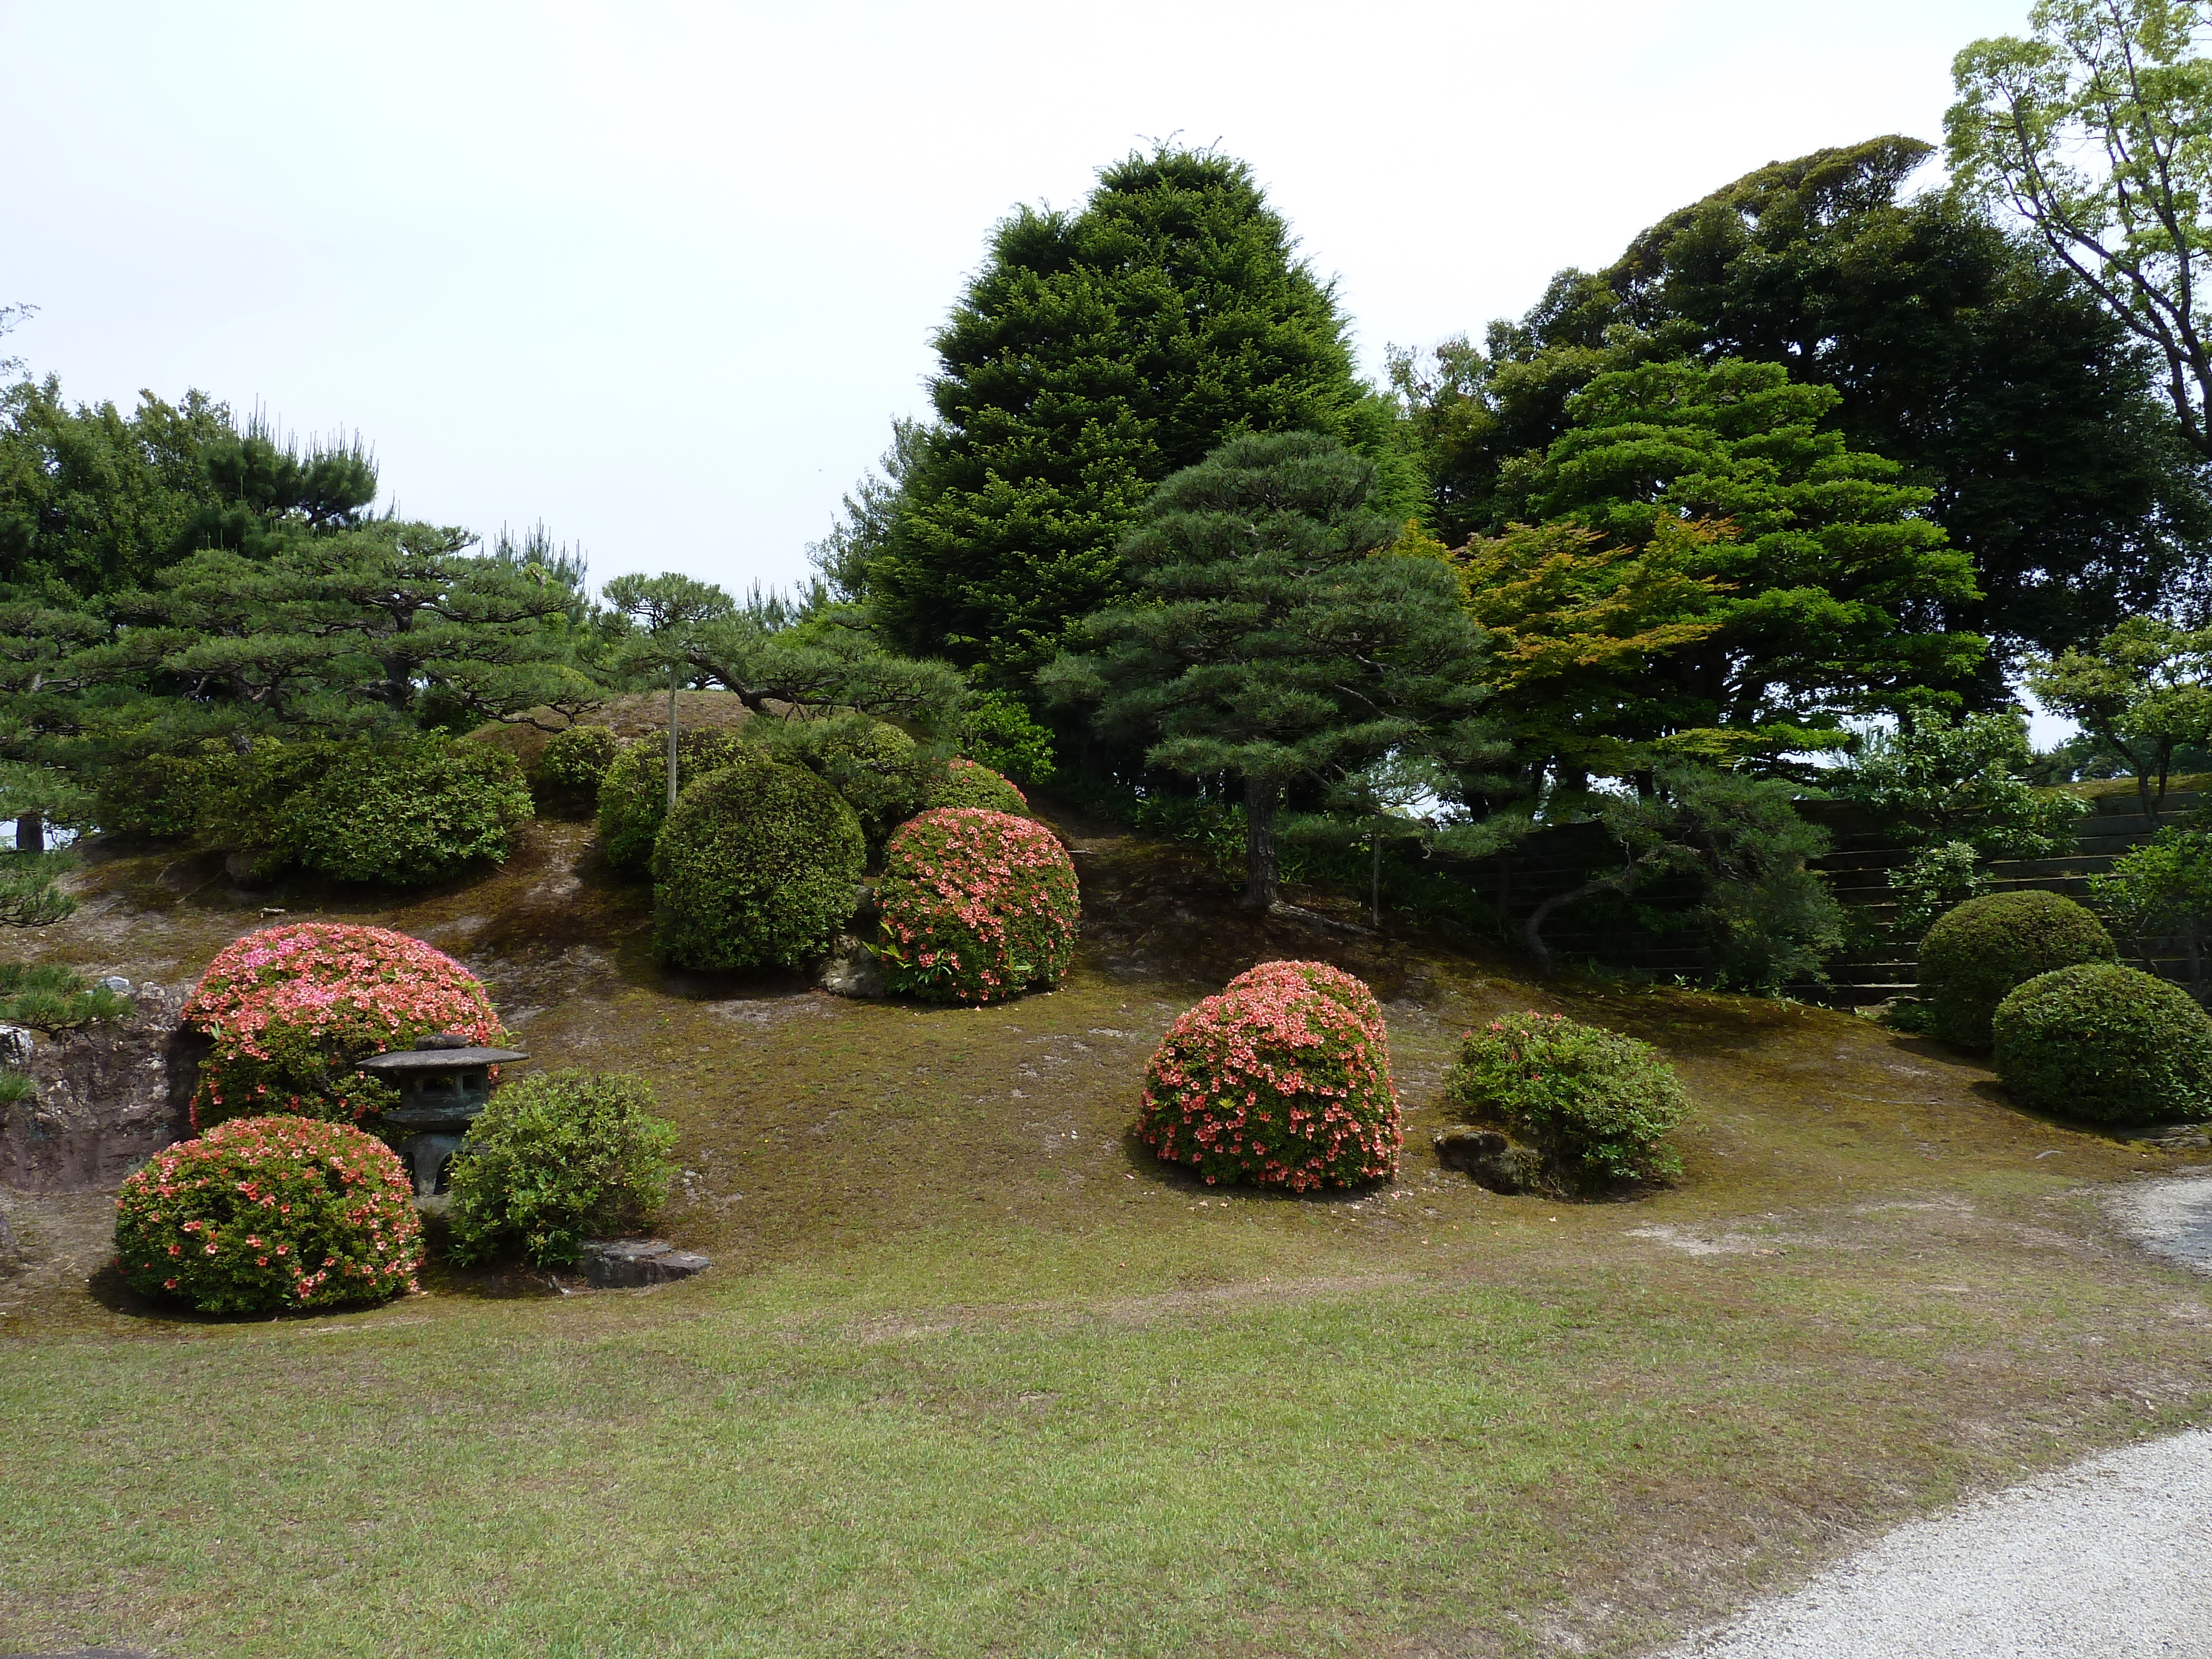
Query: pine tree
(1096, 354)
(1274, 636)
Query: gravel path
(2103, 1560)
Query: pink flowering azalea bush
(1597, 1108)
(964, 783)
(270, 1212)
(292, 1011)
(1281, 1080)
(977, 906)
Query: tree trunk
(672, 736)
(31, 833)
(1375, 888)
(1261, 881)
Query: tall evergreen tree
(1097, 353)
(1273, 635)
(1985, 368)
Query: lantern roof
(405, 1060)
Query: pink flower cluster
(977, 906)
(266, 1212)
(331, 990)
(1282, 1080)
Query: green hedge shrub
(2107, 1043)
(556, 1159)
(1978, 953)
(574, 760)
(757, 867)
(885, 775)
(409, 817)
(964, 783)
(270, 1212)
(1281, 1080)
(977, 907)
(1596, 1107)
(633, 791)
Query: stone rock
(1494, 1162)
(16, 1046)
(109, 1097)
(618, 1264)
(850, 970)
(116, 983)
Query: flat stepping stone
(623, 1264)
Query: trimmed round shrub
(291, 1012)
(1281, 1080)
(1596, 1107)
(556, 1159)
(2107, 1043)
(885, 775)
(633, 791)
(270, 1212)
(977, 906)
(1976, 953)
(757, 867)
(967, 784)
(405, 817)
(574, 760)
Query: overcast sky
(660, 274)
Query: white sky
(659, 274)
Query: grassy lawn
(973, 1376)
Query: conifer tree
(1274, 636)
(1094, 355)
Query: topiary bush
(556, 1159)
(2104, 1042)
(885, 775)
(270, 1212)
(574, 760)
(292, 1011)
(1281, 1080)
(1975, 954)
(966, 784)
(405, 817)
(757, 867)
(634, 792)
(1597, 1108)
(977, 906)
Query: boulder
(620, 1264)
(850, 970)
(108, 1098)
(1494, 1162)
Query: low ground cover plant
(1283, 1080)
(977, 906)
(291, 1011)
(269, 1212)
(1596, 1107)
(574, 760)
(757, 867)
(1977, 953)
(633, 796)
(409, 817)
(967, 783)
(556, 1159)
(2106, 1043)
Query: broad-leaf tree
(2144, 692)
(1273, 634)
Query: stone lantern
(444, 1081)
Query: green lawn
(972, 1377)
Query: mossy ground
(973, 1376)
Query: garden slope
(971, 1373)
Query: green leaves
(2144, 692)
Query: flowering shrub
(556, 1159)
(966, 784)
(758, 867)
(269, 1212)
(977, 906)
(293, 1009)
(1282, 1080)
(1596, 1107)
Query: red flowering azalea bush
(293, 1009)
(1282, 1080)
(266, 1212)
(976, 906)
